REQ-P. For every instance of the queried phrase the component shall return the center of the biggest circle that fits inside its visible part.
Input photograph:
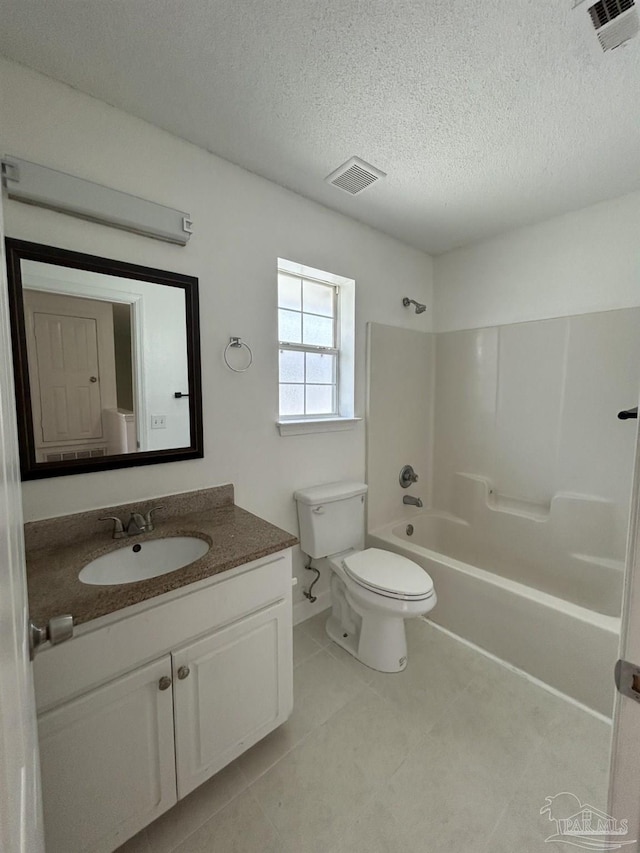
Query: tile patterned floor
(455, 754)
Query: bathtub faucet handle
(407, 477)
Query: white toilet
(372, 591)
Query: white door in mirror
(143, 560)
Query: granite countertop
(235, 537)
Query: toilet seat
(388, 574)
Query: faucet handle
(407, 476)
(118, 526)
(147, 519)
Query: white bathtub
(563, 642)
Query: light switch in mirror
(107, 362)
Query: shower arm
(420, 307)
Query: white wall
(572, 264)
(242, 225)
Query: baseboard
(303, 610)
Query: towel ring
(236, 343)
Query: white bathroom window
(315, 340)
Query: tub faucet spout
(411, 501)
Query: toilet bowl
(372, 591)
(382, 589)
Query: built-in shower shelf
(517, 506)
(474, 489)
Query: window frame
(343, 415)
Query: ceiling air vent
(615, 21)
(354, 176)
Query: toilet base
(380, 643)
(344, 639)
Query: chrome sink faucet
(136, 525)
(411, 501)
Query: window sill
(302, 427)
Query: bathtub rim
(611, 624)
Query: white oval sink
(140, 561)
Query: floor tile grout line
(427, 731)
(210, 817)
(308, 658)
(376, 791)
(214, 812)
(302, 625)
(331, 651)
(417, 746)
(285, 845)
(281, 757)
(501, 815)
(304, 738)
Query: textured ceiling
(485, 114)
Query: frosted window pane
(320, 368)
(292, 399)
(319, 399)
(318, 298)
(289, 326)
(289, 290)
(291, 366)
(317, 331)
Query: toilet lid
(388, 573)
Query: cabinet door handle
(164, 683)
(183, 672)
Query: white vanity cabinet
(107, 761)
(227, 693)
(140, 708)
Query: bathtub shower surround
(530, 474)
(565, 552)
(532, 407)
(399, 417)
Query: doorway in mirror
(104, 353)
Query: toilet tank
(331, 518)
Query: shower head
(420, 308)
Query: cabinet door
(238, 688)
(108, 762)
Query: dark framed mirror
(106, 360)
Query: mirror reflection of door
(107, 362)
(81, 376)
